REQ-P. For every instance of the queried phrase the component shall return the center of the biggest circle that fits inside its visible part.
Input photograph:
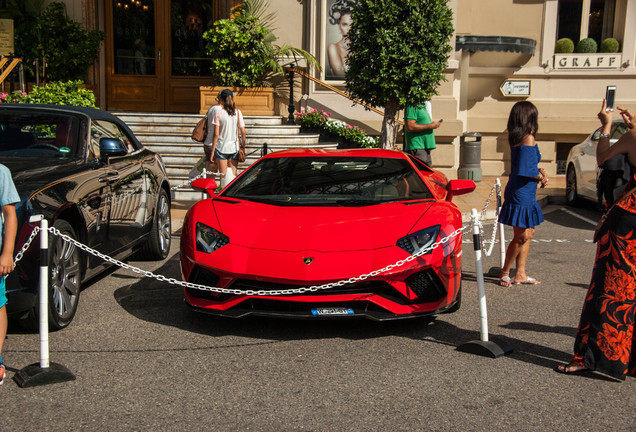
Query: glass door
(156, 54)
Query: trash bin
(470, 157)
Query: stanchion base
(485, 348)
(33, 375)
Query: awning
(473, 43)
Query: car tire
(64, 276)
(571, 194)
(158, 245)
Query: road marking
(583, 218)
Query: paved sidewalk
(476, 199)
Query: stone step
(185, 130)
(134, 119)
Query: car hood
(31, 174)
(324, 229)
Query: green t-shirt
(418, 140)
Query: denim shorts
(225, 156)
(3, 292)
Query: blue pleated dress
(520, 207)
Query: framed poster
(336, 24)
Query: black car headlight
(209, 239)
(419, 240)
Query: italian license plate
(332, 311)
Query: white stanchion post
(483, 346)
(44, 294)
(45, 372)
(479, 270)
(502, 239)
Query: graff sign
(587, 61)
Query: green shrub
(69, 50)
(61, 93)
(587, 45)
(564, 46)
(14, 97)
(609, 45)
(320, 119)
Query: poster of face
(338, 23)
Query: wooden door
(155, 54)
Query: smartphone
(440, 120)
(610, 92)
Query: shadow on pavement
(159, 302)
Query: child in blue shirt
(8, 198)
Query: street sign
(515, 88)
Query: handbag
(241, 153)
(200, 130)
(603, 218)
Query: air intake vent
(427, 286)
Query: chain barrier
(174, 281)
(482, 216)
(313, 288)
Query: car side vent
(202, 276)
(427, 286)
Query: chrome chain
(173, 281)
(26, 245)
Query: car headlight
(420, 240)
(209, 239)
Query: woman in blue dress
(520, 209)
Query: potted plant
(346, 135)
(245, 56)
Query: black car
(87, 174)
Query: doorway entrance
(155, 55)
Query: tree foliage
(243, 48)
(398, 51)
(49, 33)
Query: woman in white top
(228, 133)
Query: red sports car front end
(311, 250)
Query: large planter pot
(251, 101)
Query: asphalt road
(143, 361)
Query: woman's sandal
(504, 279)
(572, 368)
(529, 281)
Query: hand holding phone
(610, 93)
(440, 120)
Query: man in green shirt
(418, 132)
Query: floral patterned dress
(605, 339)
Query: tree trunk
(389, 125)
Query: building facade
(503, 52)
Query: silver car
(585, 180)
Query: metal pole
(291, 108)
(44, 294)
(483, 314)
(502, 238)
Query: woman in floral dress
(605, 338)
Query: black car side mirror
(111, 147)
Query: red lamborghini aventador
(325, 233)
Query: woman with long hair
(228, 134)
(520, 209)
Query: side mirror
(459, 187)
(205, 184)
(111, 147)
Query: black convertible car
(87, 174)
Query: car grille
(374, 287)
(202, 276)
(427, 286)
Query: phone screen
(610, 92)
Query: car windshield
(344, 181)
(42, 135)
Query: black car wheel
(571, 195)
(158, 245)
(64, 277)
